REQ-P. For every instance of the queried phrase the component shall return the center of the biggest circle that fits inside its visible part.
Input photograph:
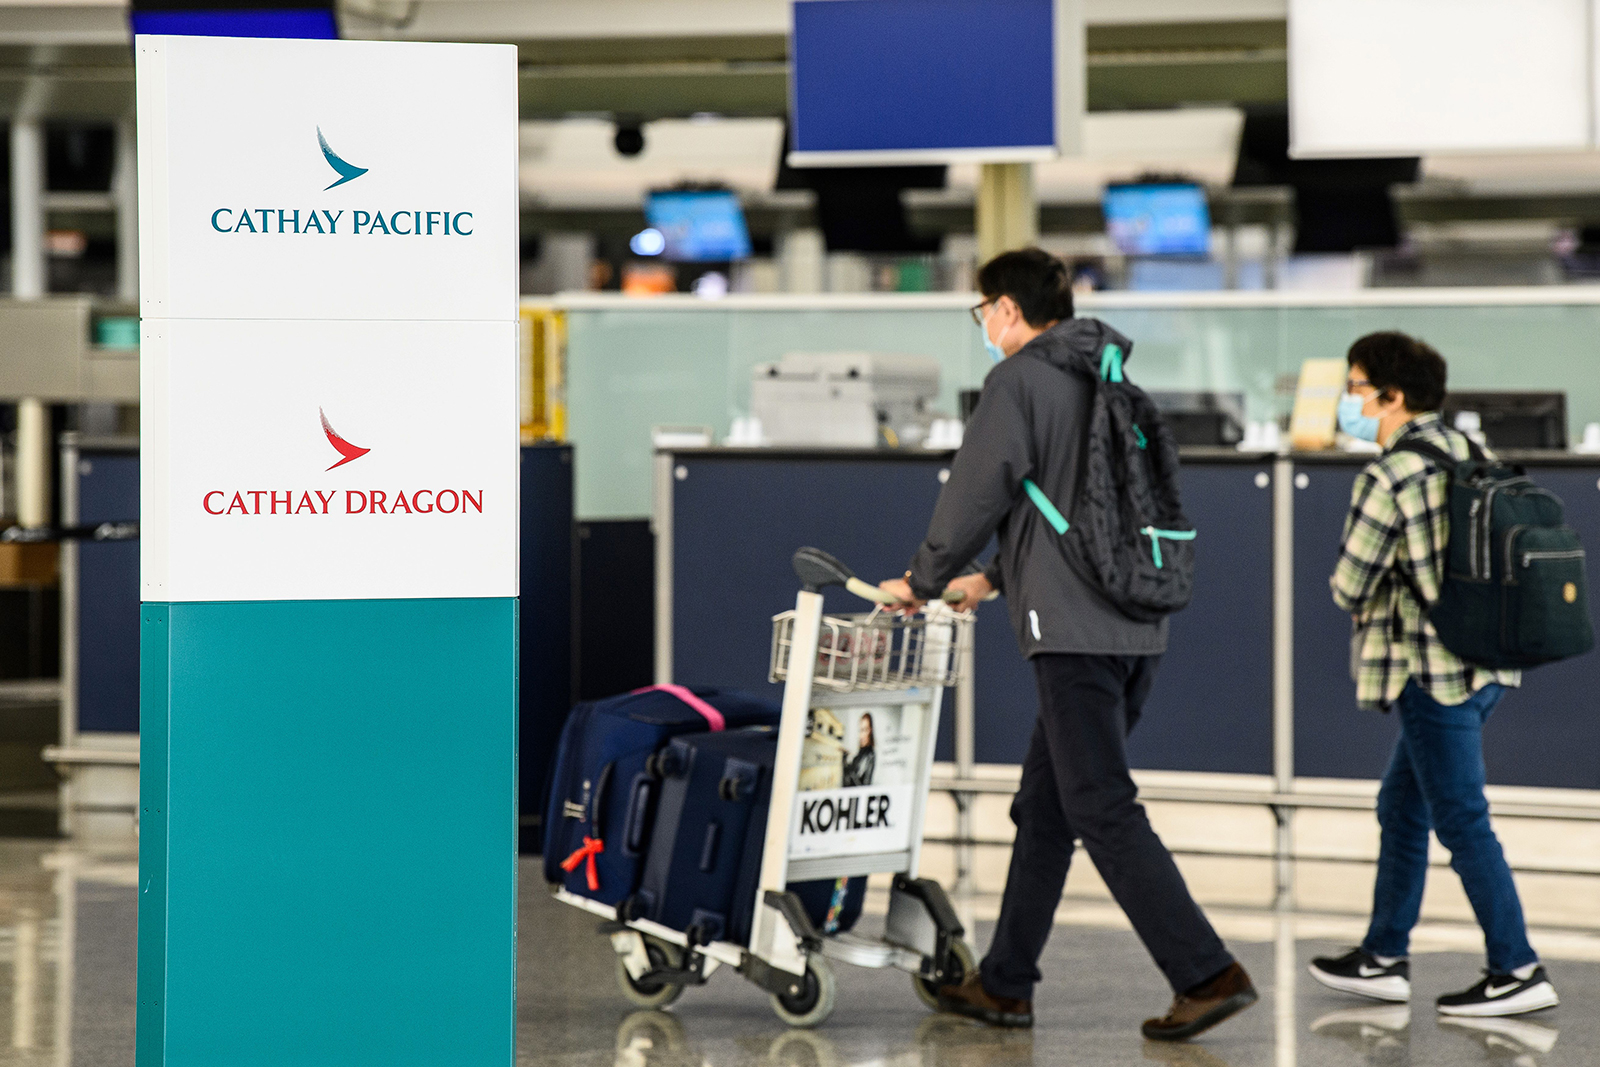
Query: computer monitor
(699, 226)
(1166, 219)
(1514, 420)
(1202, 417)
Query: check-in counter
(728, 520)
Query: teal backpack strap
(1051, 514)
(1156, 535)
(1111, 363)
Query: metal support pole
(1286, 967)
(33, 462)
(69, 627)
(125, 186)
(1283, 669)
(1007, 209)
(966, 762)
(25, 981)
(28, 283)
(661, 526)
(27, 210)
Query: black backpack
(1513, 592)
(1128, 536)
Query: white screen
(1406, 77)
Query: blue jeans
(1435, 780)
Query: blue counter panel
(736, 525)
(1332, 737)
(108, 595)
(328, 848)
(737, 520)
(1211, 707)
(1541, 735)
(545, 661)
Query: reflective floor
(67, 921)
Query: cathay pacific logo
(343, 447)
(345, 171)
(305, 219)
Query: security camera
(629, 140)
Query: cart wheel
(813, 999)
(962, 963)
(651, 994)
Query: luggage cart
(878, 678)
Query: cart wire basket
(880, 650)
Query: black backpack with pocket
(1513, 593)
(1128, 536)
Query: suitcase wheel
(961, 963)
(651, 993)
(809, 1000)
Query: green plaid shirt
(1400, 520)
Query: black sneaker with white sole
(1502, 994)
(1359, 973)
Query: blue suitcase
(705, 854)
(715, 789)
(602, 801)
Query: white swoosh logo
(1491, 992)
(1370, 972)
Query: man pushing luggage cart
(733, 830)
(1057, 428)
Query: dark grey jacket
(1029, 423)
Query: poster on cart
(857, 781)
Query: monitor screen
(1158, 220)
(699, 227)
(912, 81)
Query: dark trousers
(1075, 784)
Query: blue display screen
(313, 23)
(920, 75)
(1158, 220)
(699, 227)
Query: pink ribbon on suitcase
(713, 717)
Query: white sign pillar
(328, 282)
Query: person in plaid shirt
(1394, 548)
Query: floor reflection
(67, 941)
(1520, 1041)
(1379, 1033)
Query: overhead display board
(1413, 77)
(329, 495)
(885, 82)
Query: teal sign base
(327, 862)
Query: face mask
(1351, 421)
(996, 353)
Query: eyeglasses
(1357, 383)
(976, 311)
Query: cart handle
(817, 569)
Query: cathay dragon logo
(346, 171)
(344, 448)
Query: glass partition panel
(634, 364)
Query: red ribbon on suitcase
(592, 847)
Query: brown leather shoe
(972, 1000)
(1204, 1006)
